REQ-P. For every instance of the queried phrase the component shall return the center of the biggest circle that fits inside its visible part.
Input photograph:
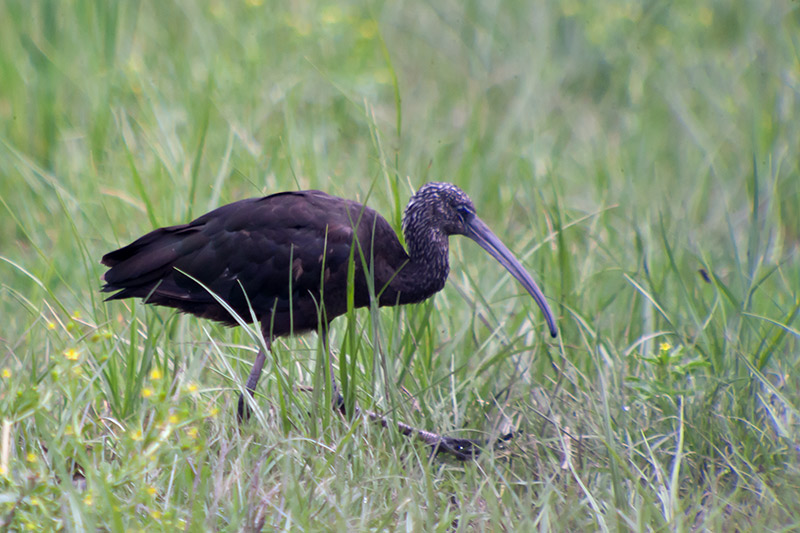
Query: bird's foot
(338, 403)
(468, 449)
(242, 410)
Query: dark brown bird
(286, 256)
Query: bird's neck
(426, 271)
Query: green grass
(617, 147)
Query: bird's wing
(270, 249)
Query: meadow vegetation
(641, 158)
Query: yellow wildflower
(331, 15)
(146, 393)
(156, 374)
(705, 16)
(72, 354)
(368, 29)
(6, 372)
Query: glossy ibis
(286, 256)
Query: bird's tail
(135, 269)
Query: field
(640, 158)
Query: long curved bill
(479, 232)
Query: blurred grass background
(641, 158)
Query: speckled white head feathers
(439, 206)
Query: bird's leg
(243, 411)
(337, 399)
(461, 449)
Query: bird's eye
(464, 211)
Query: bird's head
(440, 206)
(438, 210)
